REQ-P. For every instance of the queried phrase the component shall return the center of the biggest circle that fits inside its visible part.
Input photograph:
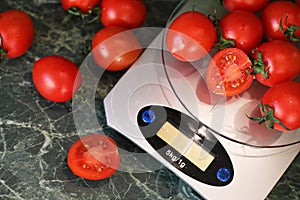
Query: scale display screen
(171, 133)
(185, 146)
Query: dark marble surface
(35, 134)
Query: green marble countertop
(35, 134)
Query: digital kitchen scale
(163, 106)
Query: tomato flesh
(227, 72)
(94, 157)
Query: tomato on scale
(276, 61)
(191, 36)
(16, 33)
(227, 73)
(280, 107)
(94, 157)
(240, 29)
(281, 20)
(252, 6)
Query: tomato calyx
(268, 118)
(259, 66)
(290, 30)
(3, 52)
(224, 43)
(94, 14)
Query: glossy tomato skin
(126, 13)
(56, 78)
(16, 32)
(191, 36)
(84, 6)
(115, 48)
(282, 60)
(248, 5)
(226, 74)
(244, 27)
(94, 157)
(272, 14)
(284, 98)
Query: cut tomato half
(94, 157)
(227, 72)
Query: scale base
(256, 170)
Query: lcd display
(185, 146)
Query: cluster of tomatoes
(56, 78)
(255, 40)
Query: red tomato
(115, 48)
(84, 6)
(244, 28)
(125, 13)
(286, 11)
(56, 78)
(94, 157)
(227, 72)
(191, 36)
(279, 62)
(248, 5)
(16, 33)
(280, 106)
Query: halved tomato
(227, 72)
(94, 157)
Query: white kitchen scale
(163, 106)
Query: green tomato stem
(96, 11)
(269, 119)
(290, 30)
(3, 52)
(224, 43)
(74, 11)
(259, 66)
